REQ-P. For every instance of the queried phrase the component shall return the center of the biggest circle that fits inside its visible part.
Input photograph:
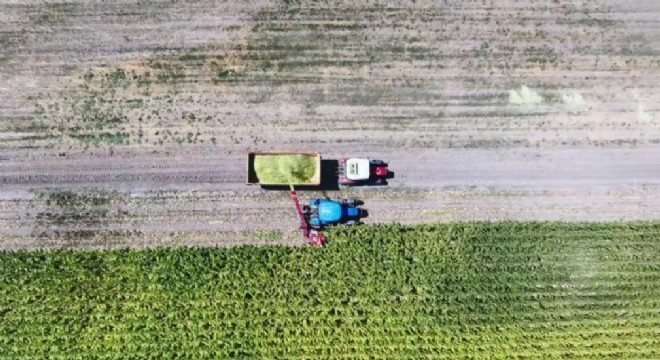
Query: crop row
(459, 290)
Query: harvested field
(493, 110)
(450, 291)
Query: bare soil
(128, 123)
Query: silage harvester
(322, 213)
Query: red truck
(361, 171)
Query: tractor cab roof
(357, 169)
(329, 211)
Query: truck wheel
(350, 223)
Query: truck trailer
(284, 168)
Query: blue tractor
(321, 213)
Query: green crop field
(458, 290)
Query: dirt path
(114, 134)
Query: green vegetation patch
(454, 291)
(84, 209)
(118, 137)
(285, 169)
(268, 235)
(69, 198)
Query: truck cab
(361, 171)
(325, 212)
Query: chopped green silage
(285, 169)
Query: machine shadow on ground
(390, 175)
(329, 180)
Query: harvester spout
(314, 237)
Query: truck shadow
(329, 180)
(390, 175)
